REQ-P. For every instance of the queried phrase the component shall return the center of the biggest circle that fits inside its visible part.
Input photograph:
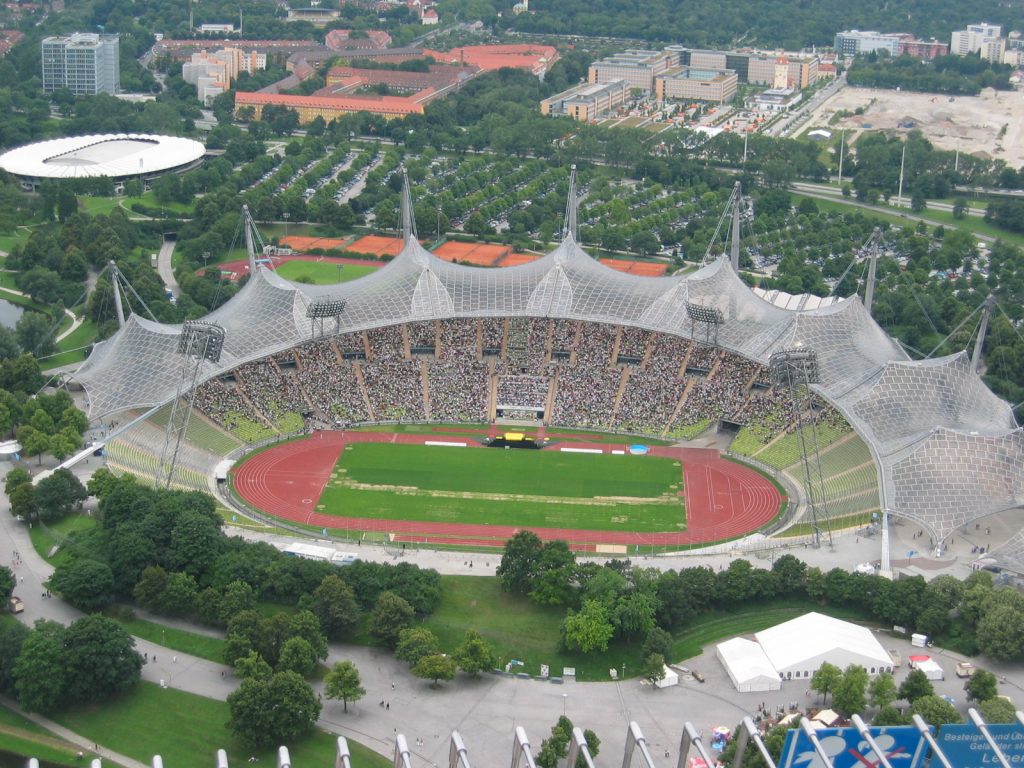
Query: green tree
(39, 672)
(850, 695)
(657, 641)
(12, 637)
(35, 333)
(435, 668)
(60, 494)
(150, 588)
(179, 595)
(416, 642)
(334, 604)
(267, 712)
(588, 629)
(889, 715)
(519, 562)
(85, 583)
(297, 656)
(1000, 631)
(23, 501)
(474, 655)
(238, 596)
(100, 659)
(960, 208)
(825, 679)
(998, 710)
(882, 690)
(653, 668)
(342, 682)
(391, 614)
(915, 686)
(935, 710)
(253, 665)
(7, 583)
(17, 476)
(981, 686)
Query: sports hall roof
(948, 450)
(114, 155)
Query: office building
(855, 42)
(84, 62)
(638, 68)
(964, 42)
(587, 101)
(692, 84)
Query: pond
(10, 313)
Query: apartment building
(84, 62)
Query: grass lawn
(520, 629)
(44, 541)
(517, 629)
(516, 487)
(17, 237)
(209, 648)
(186, 729)
(23, 737)
(72, 348)
(322, 273)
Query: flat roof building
(84, 62)
(637, 67)
(586, 101)
(964, 42)
(854, 42)
(690, 83)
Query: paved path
(164, 268)
(88, 747)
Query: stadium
(118, 156)
(562, 343)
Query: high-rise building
(854, 42)
(84, 62)
(967, 41)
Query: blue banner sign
(903, 745)
(965, 747)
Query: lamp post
(286, 216)
(564, 697)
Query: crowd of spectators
(653, 392)
(457, 383)
(330, 384)
(422, 335)
(387, 344)
(272, 391)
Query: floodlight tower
(796, 369)
(571, 228)
(709, 317)
(198, 341)
(321, 309)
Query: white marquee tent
(748, 666)
(797, 648)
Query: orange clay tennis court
(377, 245)
(304, 244)
(477, 254)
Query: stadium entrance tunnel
(514, 440)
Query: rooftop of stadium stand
(947, 449)
(114, 155)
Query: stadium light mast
(796, 370)
(198, 341)
(979, 342)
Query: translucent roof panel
(950, 477)
(908, 400)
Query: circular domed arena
(118, 156)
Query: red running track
(724, 499)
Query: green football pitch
(322, 272)
(507, 487)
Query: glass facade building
(84, 63)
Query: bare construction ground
(989, 125)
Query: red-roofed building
(534, 58)
(342, 40)
(331, 107)
(8, 39)
(429, 17)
